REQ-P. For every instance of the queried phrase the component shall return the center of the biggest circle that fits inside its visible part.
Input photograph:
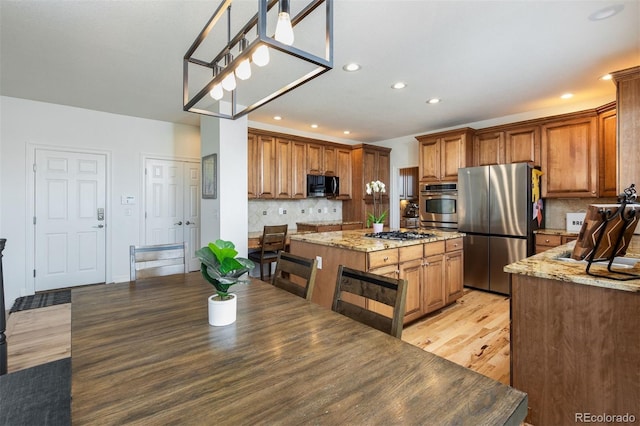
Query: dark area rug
(39, 395)
(41, 300)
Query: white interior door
(70, 200)
(172, 204)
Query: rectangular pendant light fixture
(251, 68)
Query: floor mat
(41, 300)
(38, 395)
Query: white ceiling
(485, 59)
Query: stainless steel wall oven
(439, 205)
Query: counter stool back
(386, 290)
(274, 238)
(295, 274)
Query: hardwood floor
(473, 332)
(37, 336)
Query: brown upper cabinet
(570, 157)
(408, 183)
(442, 154)
(607, 151)
(368, 163)
(278, 165)
(291, 169)
(261, 166)
(322, 159)
(507, 144)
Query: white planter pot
(222, 312)
(377, 227)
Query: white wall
(226, 216)
(25, 124)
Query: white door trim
(30, 156)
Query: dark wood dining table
(144, 353)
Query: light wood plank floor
(38, 336)
(473, 332)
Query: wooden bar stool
(273, 241)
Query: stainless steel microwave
(322, 186)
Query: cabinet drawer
(454, 244)
(410, 253)
(376, 259)
(548, 240)
(433, 248)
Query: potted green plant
(377, 219)
(221, 267)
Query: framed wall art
(210, 176)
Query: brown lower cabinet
(575, 351)
(434, 273)
(547, 241)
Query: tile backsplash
(556, 209)
(279, 212)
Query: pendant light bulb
(217, 93)
(243, 72)
(229, 82)
(284, 30)
(261, 56)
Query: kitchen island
(433, 265)
(575, 340)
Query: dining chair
(157, 260)
(295, 274)
(273, 241)
(372, 287)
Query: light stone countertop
(546, 265)
(356, 240)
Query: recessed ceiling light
(277, 117)
(399, 85)
(567, 96)
(433, 101)
(606, 77)
(606, 12)
(314, 126)
(351, 67)
(347, 132)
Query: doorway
(69, 218)
(172, 204)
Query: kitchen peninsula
(432, 264)
(575, 340)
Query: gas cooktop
(400, 235)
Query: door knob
(188, 223)
(179, 223)
(99, 226)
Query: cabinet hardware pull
(179, 223)
(386, 258)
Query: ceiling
(484, 59)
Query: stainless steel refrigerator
(498, 210)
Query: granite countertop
(562, 232)
(328, 222)
(546, 265)
(356, 240)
